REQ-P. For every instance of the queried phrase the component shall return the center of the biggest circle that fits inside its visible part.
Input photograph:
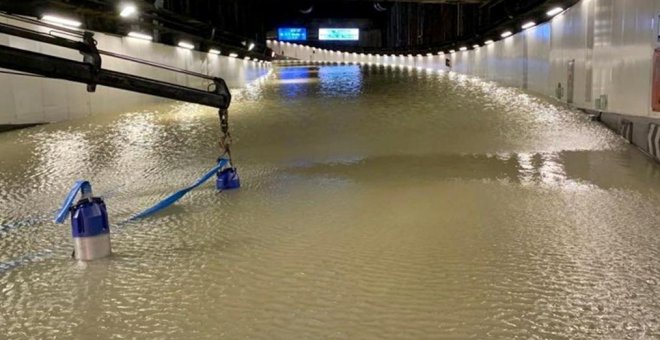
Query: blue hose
(80, 186)
(171, 199)
(85, 188)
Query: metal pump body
(90, 229)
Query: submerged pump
(89, 223)
(226, 178)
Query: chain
(225, 138)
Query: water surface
(376, 203)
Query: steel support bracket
(92, 57)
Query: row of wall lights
(128, 11)
(551, 13)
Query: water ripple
(377, 203)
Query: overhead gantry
(90, 71)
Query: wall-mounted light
(506, 34)
(53, 19)
(429, 54)
(528, 25)
(475, 46)
(463, 48)
(214, 51)
(186, 45)
(554, 11)
(488, 42)
(142, 36)
(251, 47)
(127, 10)
(233, 55)
(452, 51)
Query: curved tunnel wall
(28, 100)
(607, 46)
(611, 43)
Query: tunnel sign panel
(344, 34)
(292, 34)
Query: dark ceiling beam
(421, 1)
(103, 16)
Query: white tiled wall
(611, 41)
(36, 100)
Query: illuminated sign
(292, 34)
(345, 34)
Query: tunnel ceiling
(385, 26)
(426, 1)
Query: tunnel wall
(610, 44)
(29, 100)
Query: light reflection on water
(377, 203)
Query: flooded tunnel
(387, 191)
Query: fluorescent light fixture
(488, 42)
(138, 35)
(186, 45)
(214, 51)
(233, 55)
(475, 46)
(61, 21)
(554, 11)
(528, 25)
(506, 34)
(463, 48)
(128, 10)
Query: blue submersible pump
(89, 223)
